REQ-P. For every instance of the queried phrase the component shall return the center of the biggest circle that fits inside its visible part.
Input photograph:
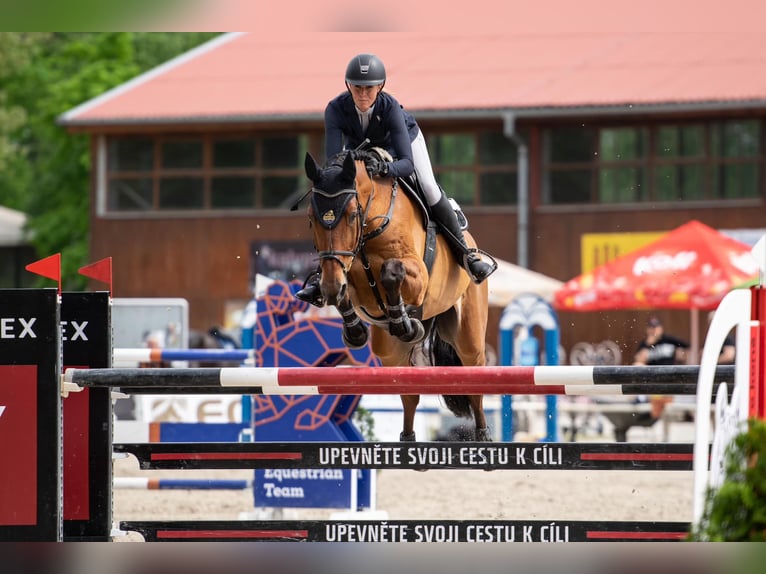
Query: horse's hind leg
(355, 332)
(466, 331)
(410, 405)
(482, 432)
(400, 325)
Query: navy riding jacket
(390, 128)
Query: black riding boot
(311, 292)
(444, 214)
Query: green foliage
(152, 48)
(737, 511)
(366, 423)
(94, 14)
(16, 53)
(44, 170)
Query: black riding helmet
(366, 70)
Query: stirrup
(468, 259)
(311, 292)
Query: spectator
(658, 348)
(728, 350)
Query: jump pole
(143, 483)
(562, 380)
(145, 355)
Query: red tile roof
(541, 59)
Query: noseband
(329, 209)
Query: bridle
(336, 254)
(363, 223)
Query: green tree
(736, 512)
(46, 170)
(17, 51)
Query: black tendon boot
(311, 292)
(444, 214)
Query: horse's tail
(444, 355)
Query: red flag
(100, 271)
(49, 267)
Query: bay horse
(381, 266)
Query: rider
(365, 111)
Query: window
(475, 168)
(567, 157)
(204, 172)
(131, 154)
(498, 160)
(680, 162)
(453, 157)
(662, 162)
(281, 156)
(621, 166)
(213, 172)
(735, 147)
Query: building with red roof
(551, 125)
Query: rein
(363, 237)
(373, 234)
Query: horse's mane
(378, 153)
(337, 159)
(360, 155)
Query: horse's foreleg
(355, 332)
(409, 404)
(400, 324)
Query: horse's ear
(312, 169)
(349, 168)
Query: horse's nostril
(342, 292)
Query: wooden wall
(207, 260)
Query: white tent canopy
(510, 281)
(12, 224)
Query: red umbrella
(691, 267)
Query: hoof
(356, 341)
(417, 333)
(483, 435)
(410, 437)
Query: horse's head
(336, 221)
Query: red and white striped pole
(757, 349)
